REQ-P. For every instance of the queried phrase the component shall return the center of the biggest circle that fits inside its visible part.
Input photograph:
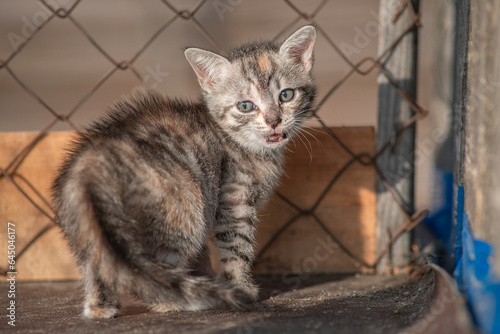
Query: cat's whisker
(293, 136)
(310, 134)
(308, 142)
(306, 110)
(314, 129)
(302, 112)
(309, 150)
(302, 128)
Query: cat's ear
(208, 66)
(300, 46)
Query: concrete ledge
(319, 304)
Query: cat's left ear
(208, 66)
(300, 46)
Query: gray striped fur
(142, 189)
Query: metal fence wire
(363, 67)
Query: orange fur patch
(264, 63)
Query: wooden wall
(347, 210)
(481, 159)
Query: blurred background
(61, 65)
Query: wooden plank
(462, 27)
(459, 102)
(347, 210)
(397, 163)
(49, 258)
(482, 135)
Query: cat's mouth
(276, 137)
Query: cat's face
(260, 92)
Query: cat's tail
(164, 287)
(167, 288)
(113, 257)
(158, 283)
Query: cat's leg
(234, 235)
(202, 266)
(101, 290)
(97, 260)
(161, 299)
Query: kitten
(142, 188)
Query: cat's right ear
(210, 68)
(299, 46)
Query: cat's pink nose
(273, 123)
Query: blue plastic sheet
(474, 273)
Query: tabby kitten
(142, 189)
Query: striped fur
(142, 188)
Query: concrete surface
(321, 304)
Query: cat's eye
(286, 95)
(246, 106)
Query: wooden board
(393, 110)
(347, 210)
(49, 258)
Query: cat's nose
(273, 122)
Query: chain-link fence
(362, 67)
